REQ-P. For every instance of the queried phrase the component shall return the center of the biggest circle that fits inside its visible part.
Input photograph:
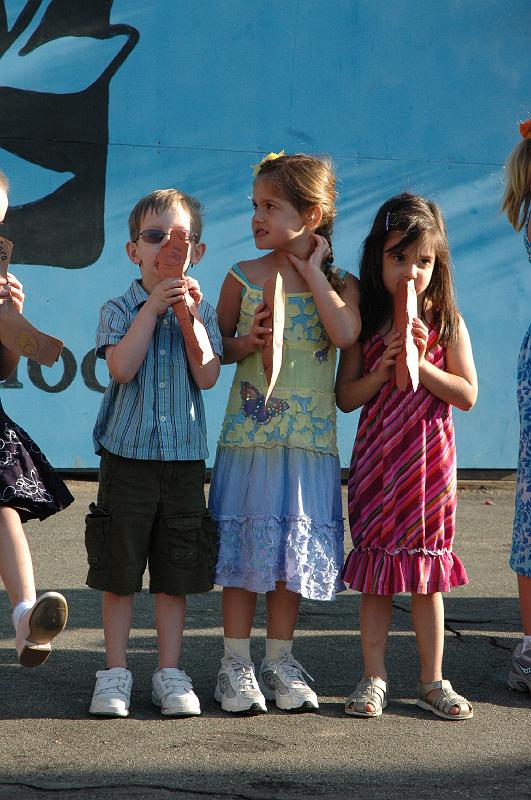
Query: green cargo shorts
(150, 513)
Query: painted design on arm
(16, 333)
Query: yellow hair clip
(269, 157)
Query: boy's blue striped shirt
(159, 415)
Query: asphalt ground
(51, 748)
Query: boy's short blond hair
(160, 201)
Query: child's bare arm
(339, 313)
(204, 375)
(458, 385)
(235, 348)
(354, 389)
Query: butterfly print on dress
(253, 404)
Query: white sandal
(443, 701)
(369, 690)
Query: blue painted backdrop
(404, 95)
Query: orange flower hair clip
(525, 129)
(269, 157)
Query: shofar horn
(405, 309)
(274, 298)
(170, 263)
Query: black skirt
(28, 483)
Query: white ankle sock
(275, 648)
(20, 609)
(237, 647)
(526, 645)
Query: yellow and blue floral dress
(275, 490)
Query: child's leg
(427, 611)
(117, 612)
(36, 622)
(281, 675)
(16, 568)
(172, 689)
(524, 593)
(236, 687)
(375, 620)
(238, 607)
(369, 697)
(169, 621)
(282, 611)
(112, 692)
(520, 672)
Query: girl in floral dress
(275, 489)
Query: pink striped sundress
(402, 489)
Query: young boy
(151, 434)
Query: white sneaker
(112, 693)
(283, 682)
(172, 691)
(520, 673)
(237, 689)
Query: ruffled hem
(256, 551)
(376, 571)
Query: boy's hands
(166, 294)
(194, 289)
(386, 366)
(12, 287)
(171, 291)
(258, 332)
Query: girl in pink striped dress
(402, 483)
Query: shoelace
(291, 668)
(242, 670)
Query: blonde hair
(517, 197)
(160, 201)
(306, 181)
(4, 183)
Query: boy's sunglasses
(154, 236)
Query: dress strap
(236, 272)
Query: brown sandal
(444, 699)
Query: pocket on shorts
(193, 547)
(184, 540)
(97, 525)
